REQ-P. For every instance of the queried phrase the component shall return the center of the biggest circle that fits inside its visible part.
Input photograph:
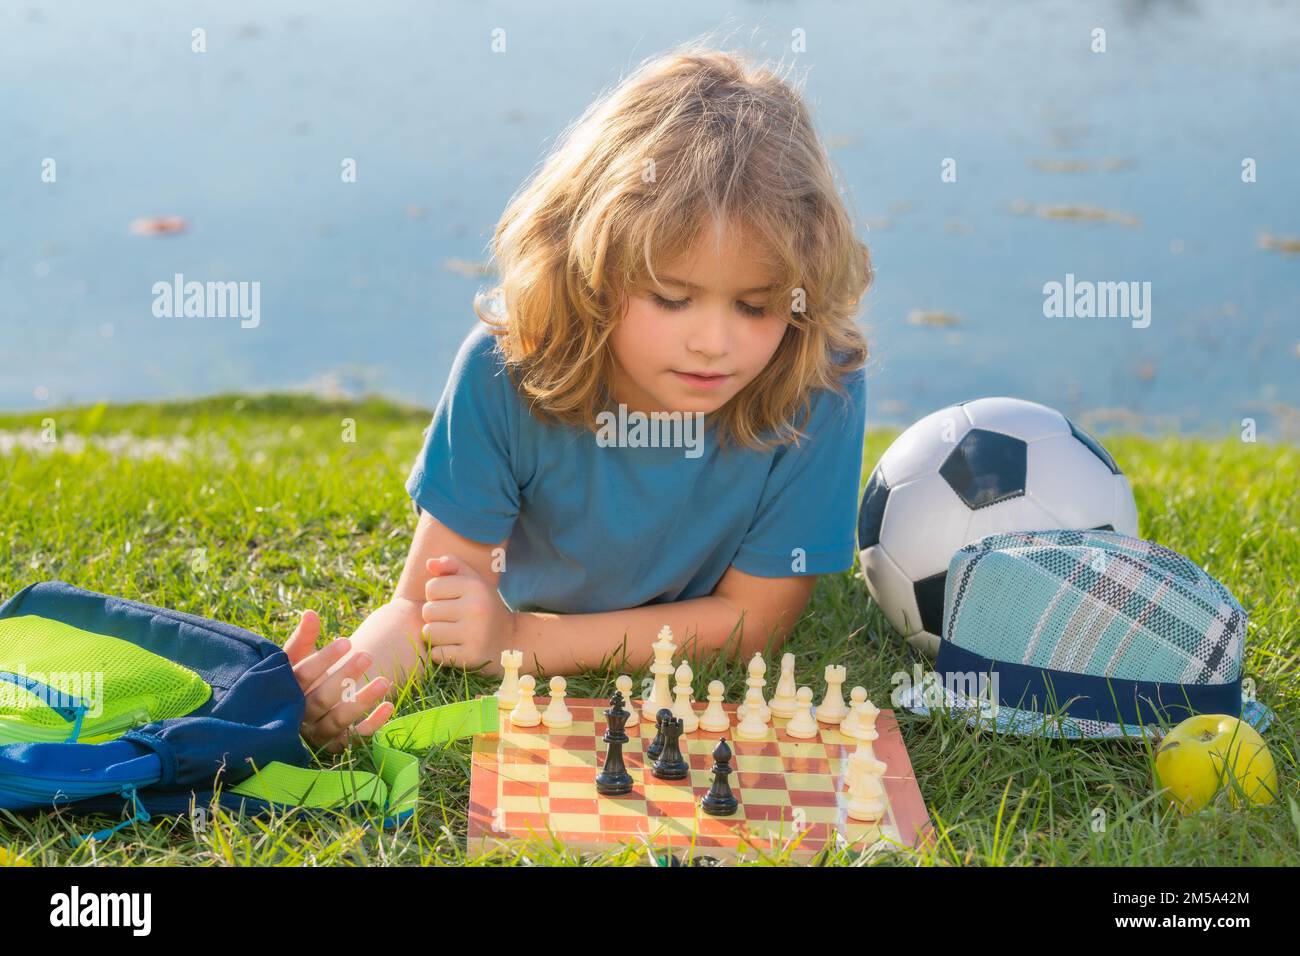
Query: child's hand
(467, 623)
(329, 719)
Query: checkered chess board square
(531, 781)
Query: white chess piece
(866, 779)
(849, 725)
(715, 719)
(682, 708)
(867, 720)
(756, 681)
(508, 692)
(753, 726)
(624, 687)
(525, 712)
(802, 726)
(662, 668)
(557, 716)
(782, 704)
(832, 710)
(866, 732)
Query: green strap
(395, 742)
(319, 789)
(395, 746)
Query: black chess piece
(657, 745)
(613, 779)
(720, 801)
(671, 765)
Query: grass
(249, 509)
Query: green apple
(1210, 751)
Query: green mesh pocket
(58, 682)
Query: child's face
(693, 342)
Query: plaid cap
(1085, 634)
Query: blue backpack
(108, 704)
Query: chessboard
(530, 782)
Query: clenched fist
(466, 622)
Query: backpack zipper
(74, 712)
(17, 732)
(47, 789)
(138, 815)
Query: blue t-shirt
(601, 527)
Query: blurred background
(1121, 166)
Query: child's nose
(710, 333)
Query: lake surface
(245, 142)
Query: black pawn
(657, 745)
(613, 779)
(720, 801)
(671, 765)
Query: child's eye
(672, 305)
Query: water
(245, 142)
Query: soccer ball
(970, 470)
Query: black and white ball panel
(892, 590)
(922, 448)
(1027, 421)
(1094, 446)
(872, 510)
(929, 602)
(923, 519)
(986, 467)
(1062, 463)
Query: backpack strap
(395, 746)
(396, 743)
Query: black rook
(671, 765)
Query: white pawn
(624, 686)
(802, 726)
(756, 681)
(867, 721)
(832, 710)
(849, 726)
(508, 692)
(783, 702)
(753, 726)
(715, 719)
(557, 716)
(525, 712)
(682, 708)
(867, 732)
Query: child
(659, 418)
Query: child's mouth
(702, 381)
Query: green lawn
(248, 510)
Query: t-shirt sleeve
(464, 475)
(806, 518)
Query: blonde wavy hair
(691, 138)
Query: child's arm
(760, 612)
(386, 649)
(392, 633)
(744, 614)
